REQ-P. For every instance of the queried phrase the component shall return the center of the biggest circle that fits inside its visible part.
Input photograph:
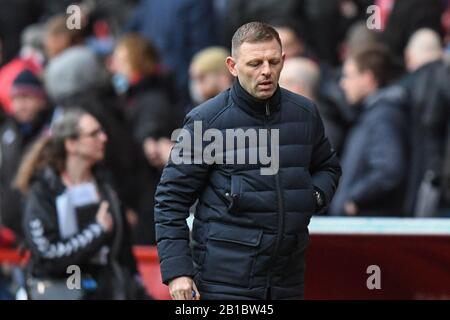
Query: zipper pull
(267, 109)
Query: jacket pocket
(230, 254)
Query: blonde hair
(211, 59)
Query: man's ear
(283, 59)
(370, 80)
(408, 60)
(231, 64)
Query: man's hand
(132, 217)
(164, 148)
(104, 218)
(351, 209)
(157, 152)
(181, 289)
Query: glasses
(94, 134)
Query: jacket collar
(52, 179)
(252, 105)
(393, 94)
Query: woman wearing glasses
(73, 221)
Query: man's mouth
(265, 84)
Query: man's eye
(275, 62)
(254, 64)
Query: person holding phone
(73, 219)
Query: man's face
(205, 85)
(258, 67)
(120, 62)
(356, 84)
(26, 107)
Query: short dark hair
(253, 32)
(377, 59)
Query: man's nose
(266, 71)
(103, 137)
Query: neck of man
(252, 96)
(373, 88)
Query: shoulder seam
(219, 113)
(301, 106)
(211, 118)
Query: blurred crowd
(137, 67)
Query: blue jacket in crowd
(374, 161)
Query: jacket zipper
(280, 211)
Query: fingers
(183, 288)
(104, 218)
(109, 221)
(151, 148)
(176, 296)
(182, 294)
(132, 217)
(197, 293)
(108, 218)
(104, 206)
(186, 295)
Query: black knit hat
(26, 83)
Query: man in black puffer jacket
(250, 229)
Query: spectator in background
(406, 17)
(72, 215)
(375, 153)
(30, 116)
(209, 74)
(271, 11)
(293, 45)
(151, 117)
(74, 71)
(358, 36)
(179, 29)
(115, 13)
(77, 78)
(427, 85)
(58, 37)
(302, 76)
(328, 22)
(31, 57)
